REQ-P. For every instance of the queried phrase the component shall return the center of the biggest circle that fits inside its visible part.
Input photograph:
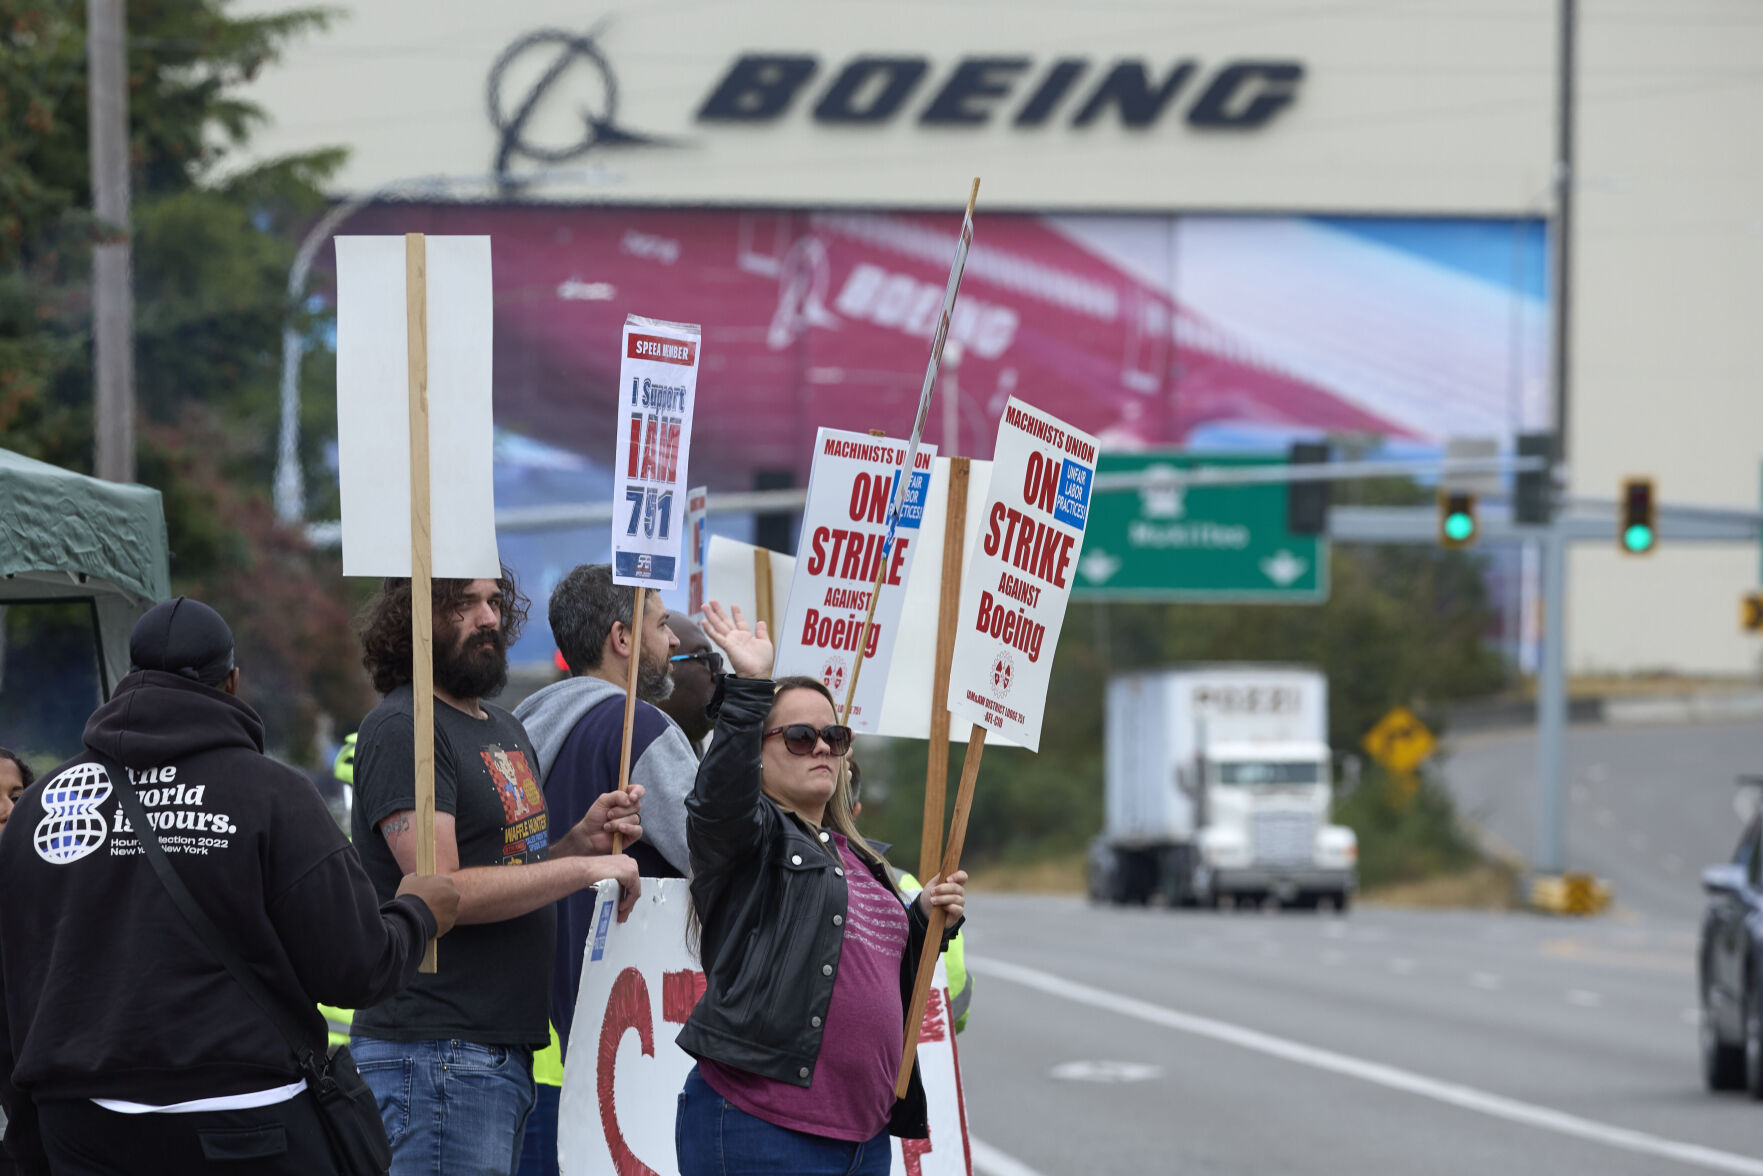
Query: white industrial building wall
(1668, 321)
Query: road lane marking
(1454, 1094)
(1585, 953)
(993, 1162)
(1105, 1071)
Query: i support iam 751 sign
(658, 389)
(1017, 584)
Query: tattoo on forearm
(394, 827)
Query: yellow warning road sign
(1399, 741)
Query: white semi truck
(1218, 783)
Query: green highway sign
(1202, 543)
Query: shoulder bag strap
(198, 919)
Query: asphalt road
(1152, 1040)
(1647, 807)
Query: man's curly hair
(384, 623)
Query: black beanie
(186, 637)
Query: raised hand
(749, 650)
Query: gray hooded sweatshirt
(577, 727)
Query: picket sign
(373, 405)
(657, 392)
(623, 1071)
(1019, 576)
(1014, 592)
(414, 377)
(841, 559)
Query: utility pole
(113, 301)
(1551, 846)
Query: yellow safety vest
(954, 963)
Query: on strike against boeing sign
(658, 386)
(843, 526)
(1019, 581)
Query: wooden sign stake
(936, 769)
(933, 936)
(764, 607)
(422, 632)
(630, 701)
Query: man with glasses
(696, 667)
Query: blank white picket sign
(373, 407)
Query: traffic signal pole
(1551, 850)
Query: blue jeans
(713, 1137)
(539, 1155)
(451, 1108)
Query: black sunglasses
(712, 660)
(800, 738)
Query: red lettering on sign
(869, 498)
(680, 994)
(933, 1028)
(680, 351)
(636, 445)
(1040, 484)
(648, 451)
(627, 1008)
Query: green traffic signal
(1637, 531)
(1459, 527)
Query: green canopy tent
(67, 537)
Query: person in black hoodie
(127, 1046)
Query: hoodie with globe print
(105, 990)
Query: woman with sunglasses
(808, 950)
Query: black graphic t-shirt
(492, 984)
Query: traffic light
(1457, 523)
(1533, 492)
(1307, 502)
(1637, 530)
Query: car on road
(1731, 968)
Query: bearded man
(450, 1059)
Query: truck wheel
(1341, 900)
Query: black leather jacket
(772, 901)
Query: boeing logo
(563, 67)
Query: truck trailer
(1218, 784)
